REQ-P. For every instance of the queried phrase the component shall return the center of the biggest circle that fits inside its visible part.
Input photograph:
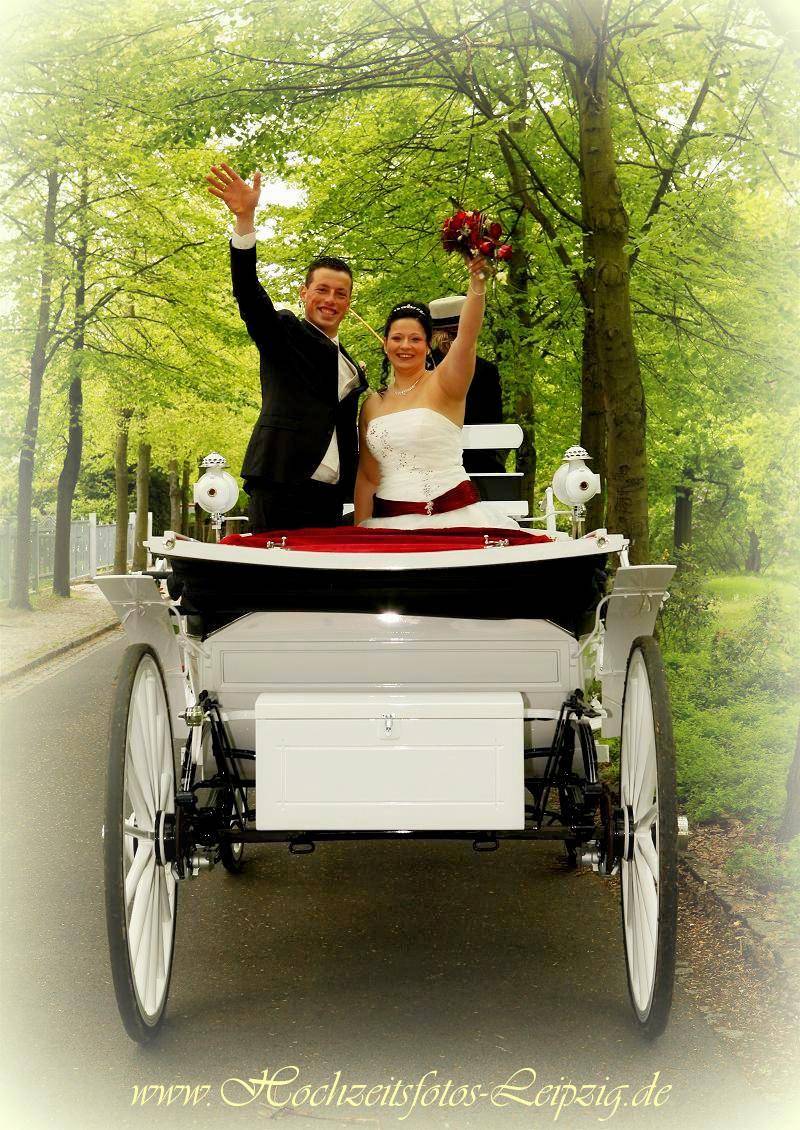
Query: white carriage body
(311, 691)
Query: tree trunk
(184, 526)
(20, 584)
(514, 357)
(617, 359)
(524, 399)
(790, 824)
(593, 402)
(68, 479)
(518, 359)
(174, 497)
(122, 487)
(682, 527)
(142, 506)
(753, 560)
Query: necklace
(406, 391)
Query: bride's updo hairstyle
(420, 313)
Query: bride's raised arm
(455, 372)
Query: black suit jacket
(484, 406)
(300, 407)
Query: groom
(301, 461)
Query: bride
(410, 471)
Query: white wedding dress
(419, 454)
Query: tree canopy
(641, 154)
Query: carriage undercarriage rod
(253, 836)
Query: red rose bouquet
(470, 233)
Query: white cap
(445, 312)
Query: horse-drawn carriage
(349, 684)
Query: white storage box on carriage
(386, 762)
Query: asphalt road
(399, 966)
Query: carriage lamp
(216, 491)
(574, 484)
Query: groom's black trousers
(292, 506)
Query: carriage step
(485, 843)
(302, 846)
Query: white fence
(91, 549)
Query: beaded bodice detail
(419, 454)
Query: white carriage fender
(645, 594)
(643, 588)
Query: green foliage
(773, 869)
(767, 868)
(733, 760)
(733, 687)
(736, 596)
(691, 610)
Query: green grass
(734, 671)
(733, 667)
(736, 595)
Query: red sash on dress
(465, 494)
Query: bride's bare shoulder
(370, 406)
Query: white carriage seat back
(502, 488)
(487, 437)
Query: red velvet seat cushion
(355, 539)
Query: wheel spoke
(163, 752)
(153, 716)
(156, 954)
(642, 738)
(129, 833)
(636, 932)
(166, 793)
(167, 912)
(144, 854)
(645, 787)
(648, 899)
(137, 775)
(137, 924)
(140, 709)
(645, 929)
(645, 821)
(146, 955)
(166, 896)
(132, 832)
(646, 849)
(635, 955)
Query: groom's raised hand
(240, 197)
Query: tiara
(409, 306)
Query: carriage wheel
(649, 865)
(231, 852)
(141, 890)
(231, 856)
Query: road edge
(764, 950)
(56, 653)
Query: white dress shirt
(328, 470)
